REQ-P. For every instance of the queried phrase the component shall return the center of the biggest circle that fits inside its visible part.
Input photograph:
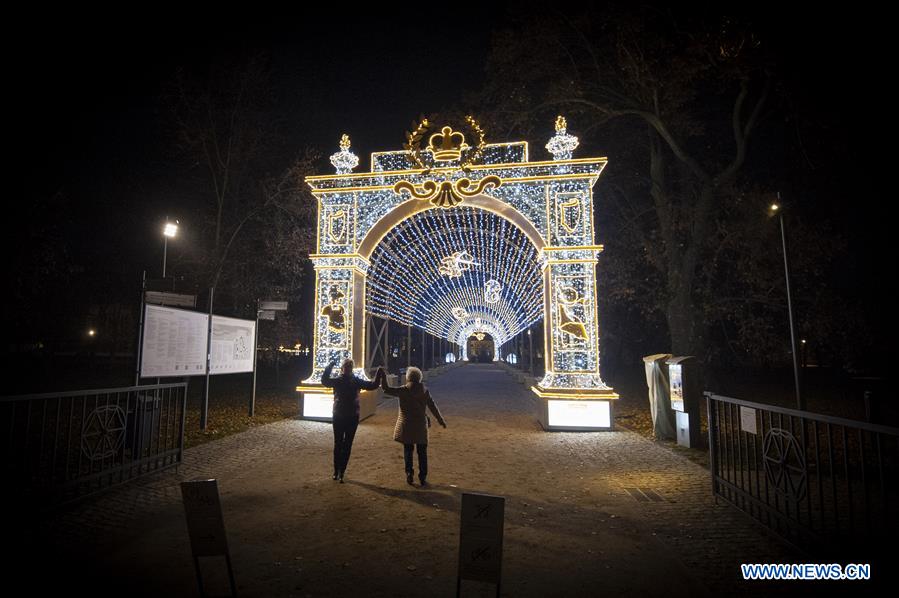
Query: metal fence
(63, 446)
(820, 482)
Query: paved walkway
(575, 526)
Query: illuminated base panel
(317, 403)
(575, 414)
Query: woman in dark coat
(345, 416)
(412, 422)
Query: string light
(409, 281)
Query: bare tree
(691, 93)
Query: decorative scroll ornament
(561, 145)
(344, 160)
(492, 291)
(479, 335)
(454, 265)
(448, 194)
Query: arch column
(339, 330)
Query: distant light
(803, 341)
(529, 332)
(775, 207)
(91, 332)
(171, 229)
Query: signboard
(273, 305)
(205, 523)
(677, 387)
(160, 298)
(265, 315)
(748, 420)
(481, 537)
(231, 347)
(174, 342)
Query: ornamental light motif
(454, 265)
(492, 291)
(459, 313)
(562, 145)
(344, 160)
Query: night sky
(87, 121)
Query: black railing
(820, 482)
(61, 446)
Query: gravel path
(574, 525)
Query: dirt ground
(572, 524)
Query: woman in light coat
(412, 421)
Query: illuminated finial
(561, 145)
(344, 160)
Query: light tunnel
(457, 272)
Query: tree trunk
(681, 321)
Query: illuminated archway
(549, 203)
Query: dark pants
(344, 432)
(422, 459)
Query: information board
(748, 420)
(231, 350)
(675, 375)
(205, 523)
(481, 537)
(174, 342)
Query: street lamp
(776, 210)
(169, 232)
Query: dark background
(87, 123)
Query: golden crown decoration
(447, 144)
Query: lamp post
(776, 210)
(168, 232)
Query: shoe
(335, 476)
(340, 477)
(409, 479)
(423, 482)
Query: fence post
(713, 445)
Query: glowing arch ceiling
(457, 271)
